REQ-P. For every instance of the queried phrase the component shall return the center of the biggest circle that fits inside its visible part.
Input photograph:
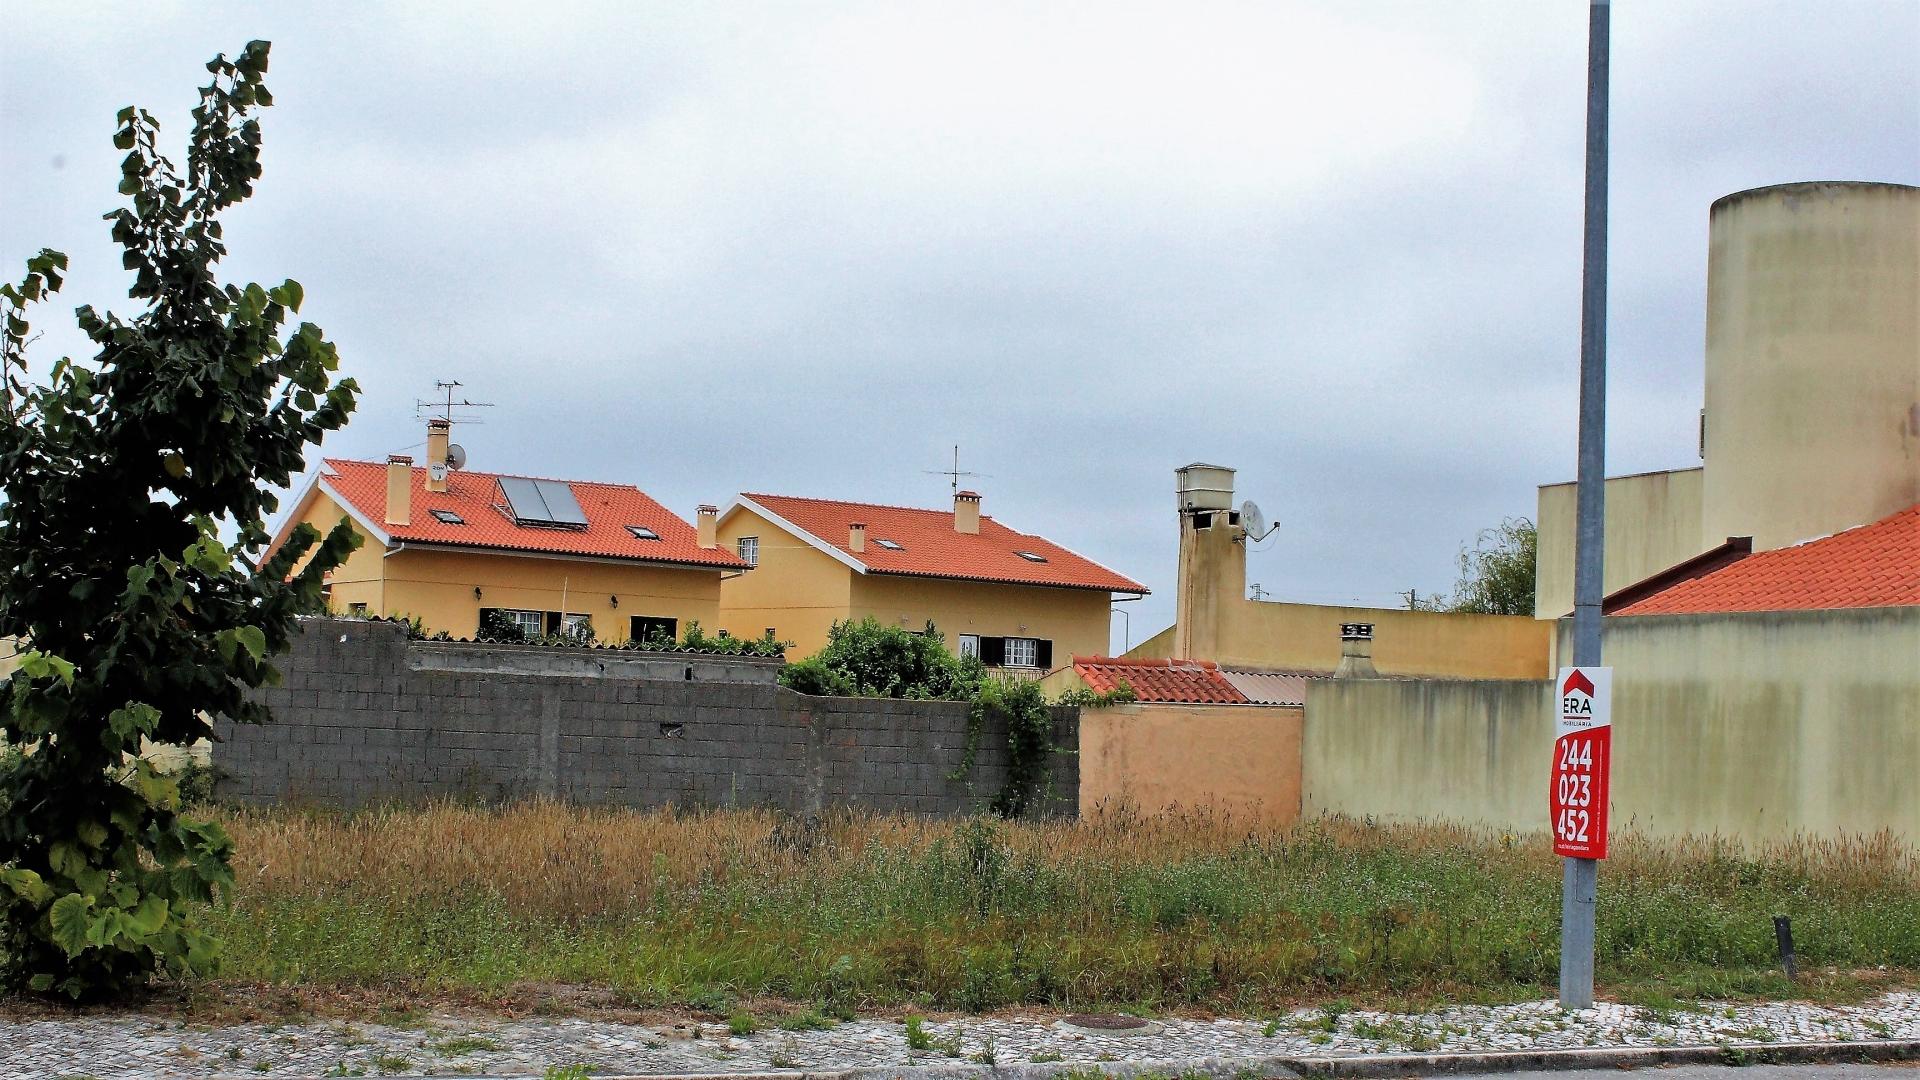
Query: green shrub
(814, 676)
(871, 659)
(496, 626)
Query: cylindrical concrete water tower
(1812, 421)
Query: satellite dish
(1253, 521)
(456, 456)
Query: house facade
(1014, 599)
(450, 546)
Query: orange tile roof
(931, 547)
(1184, 682)
(1875, 565)
(609, 509)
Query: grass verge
(720, 910)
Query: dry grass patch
(717, 910)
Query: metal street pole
(1579, 877)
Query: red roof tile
(1875, 565)
(1185, 682)
(931, 547)
(609, 509)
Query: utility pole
(1579, 877)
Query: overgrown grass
(1143, 914)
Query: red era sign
(1582, 752)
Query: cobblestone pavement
(134, 1046)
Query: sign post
(1582, 761)
(1580, 874)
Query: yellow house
(445, 545)
(1013, 599)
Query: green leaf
(91, 833)
(26, 884)
(253, 640)
(149, 917)
(68, 920)
(159, 790)
(67, 860)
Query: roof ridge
(496, 475)
(756, 495)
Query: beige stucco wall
(1075, 620)
(1652, 523)
(437, 586)
(1242, 760)
(1261, 633)
(357, 580)
(10, 649)
(1812, 360)
(1755, 726)
(1215, 621)
(796, 588)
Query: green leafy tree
(1496, 576)
(120, 476)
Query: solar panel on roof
(546, 504)
(562, 507)
(523, 500)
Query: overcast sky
(805, 249)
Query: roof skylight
(641, 532)
(1030, 556)
(447, 517)
(891, 545)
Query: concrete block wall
(364, 715)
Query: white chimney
(966, 512)
(437, 454)
(399, 489)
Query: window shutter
(1043, 654)
(993, 651)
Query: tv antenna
(954, 474)
(445, 407)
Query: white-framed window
(749, 547)
(970, 645)
(1023, 652)
(531, 623)
(574, 625)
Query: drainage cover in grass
(1110, 1024)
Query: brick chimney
(708, 517)
(437, 454)
(399, 489)
(1356, 652)
(966, 512)
(857, 536)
